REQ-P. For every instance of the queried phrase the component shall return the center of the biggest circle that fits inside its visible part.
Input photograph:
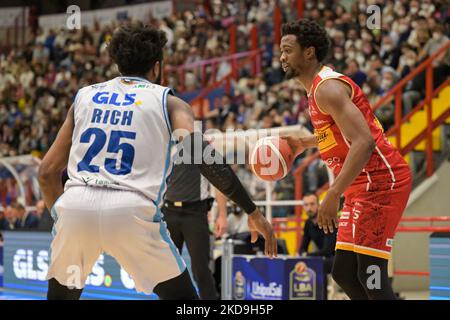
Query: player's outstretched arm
(55, 161)
(218, 173)
(333, 96)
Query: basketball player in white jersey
(116, 144)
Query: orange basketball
(271, 159)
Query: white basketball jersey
(122, 137)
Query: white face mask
(360, 59)
(386, 84)
(296, 97)
(366, 90)
(410, 62)
(262, 88)
(271, 100)
(414, 10)
(302, 119)
(436, 36)
(321, 6)
(388, 47)
(276, 64)
(338, 56)
(402, 28)
(351, 54)
(365, 36)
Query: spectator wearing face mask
(441, 64)
(420, 34)
(386, 112)
(390, 54)
(274, 74)
(338, 59)
(388, 79)
(407, 62)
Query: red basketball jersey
(385, 162)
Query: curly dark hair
(136, 48)
(309, 34)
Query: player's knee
(339, 274)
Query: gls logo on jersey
(105, 97)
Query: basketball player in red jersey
(369, 171)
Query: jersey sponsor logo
(317, 123)
(90, 181)
(344, 215)
(302, 282)
(115, 99)
(389, 242)
(141, 86)
(325, 139)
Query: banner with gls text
(27, 259)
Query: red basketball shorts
(371, 215)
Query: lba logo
(302, 283)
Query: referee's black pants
(190, 225)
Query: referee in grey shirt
(186, 206)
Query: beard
(312, 215)
(291, 73)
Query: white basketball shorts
(124, 224)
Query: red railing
(396, 94)
(252, 58)
(202, 67)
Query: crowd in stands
(39, 82)
(15, 217)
